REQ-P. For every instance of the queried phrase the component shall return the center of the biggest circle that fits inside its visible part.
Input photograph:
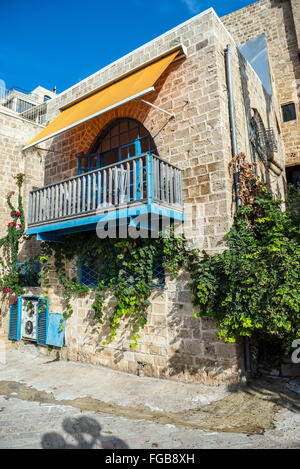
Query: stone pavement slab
(69, 380)
(33, 414)
(32, 425)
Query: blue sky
(60, 42)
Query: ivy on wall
(10, 243)
(253, 287)
(250, 289)
(126, 268)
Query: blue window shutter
(42, 321)
(56, 330)
(15, 319)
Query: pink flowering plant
(10, 243)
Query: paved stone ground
(30, 419)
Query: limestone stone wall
(296, 14)
(174, 344)
(279, 20)
(249, 95)
(15, 132)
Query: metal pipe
(232, 121)
(234, 146)
(156, 107)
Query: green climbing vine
(10, 243)
(126, 268)
(250, 289)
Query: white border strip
(142, 93)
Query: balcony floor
(138, 215)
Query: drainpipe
(232, 121)
(234, 148)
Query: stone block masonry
(15, 132)
(174, 344)
(279, 20)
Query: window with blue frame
(123, 139)
(28, 274)
(158, 274)
(87, 163)
(90, 271)
(288, 112)
(257, 138)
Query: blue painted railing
(143, 179)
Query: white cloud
(194, 6)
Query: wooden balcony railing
(143, 179)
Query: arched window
(263, 141)
(257, 136)
(123, 139)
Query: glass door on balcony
(87, 163)
(123, 140)
(128, 151)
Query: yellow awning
(126, 89)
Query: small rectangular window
(90, 272)
(288, 112)
(158, 274)
(28, 274)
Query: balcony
(27, 105)
(136, 187)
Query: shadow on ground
(87, 433)
(279, 391)
(248, 410)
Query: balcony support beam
(56, 231)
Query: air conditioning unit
(29, 317)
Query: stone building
(154, 129)
(279, 21)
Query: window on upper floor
(288, 112)
(123, 139)
(263, 141)
(256, 137)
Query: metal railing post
(149, 176)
